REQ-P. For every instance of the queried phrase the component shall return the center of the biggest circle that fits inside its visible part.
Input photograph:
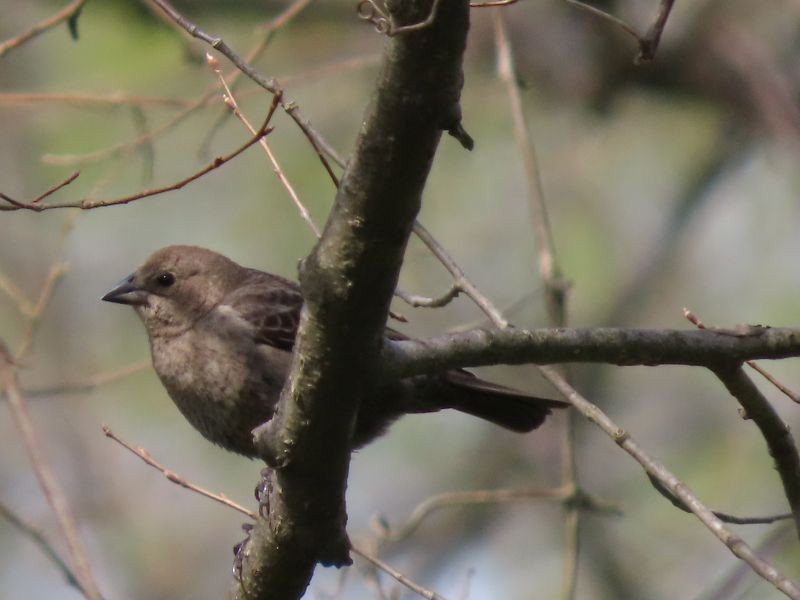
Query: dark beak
(126, 292)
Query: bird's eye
(165, 279)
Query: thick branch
(348, 282)
(625, 347)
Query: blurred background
(670, 184)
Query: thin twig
(26, 99)
(21, 302)
(549, 270)
(726, 589)
(46, 547)
(492, 4)
(648, 43)
(268, 31)
(397, 575)
(129, 145)
(776, 434)
(269, 84)
(70, 11)
(724, 517)
(174, 477)
(459, 277)
(607, 17)
(479, 497)
(693, 318)
(34, 317)
(230, 101)
(736, 545)
(284, 17)
(381, 18)
(425, 302)
(555, 287)
(90, 383)
(88, 204)
(56, 187)
(47, 480)
(190, 108)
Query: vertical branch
(551, 275)
(348, 282)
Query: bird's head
(175, 287)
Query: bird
(221, 341)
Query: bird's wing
(271, 305)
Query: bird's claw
(238, 552)
(262, 492)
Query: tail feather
(503, 406)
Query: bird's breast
(220, 381)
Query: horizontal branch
(624, 347)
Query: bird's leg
(262, 492)
(238, 552)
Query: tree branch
(777, 435)
(624, 347)
(348, 282)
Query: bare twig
(480, 497)
(284, 17)
(230, 101)
(676, 487)
(425, 302)
(492, 4)
(724, 517)
(693, 318)
(88, 204)
(380, 17)
(50, 486)
(555, 287)
(779, 439)
(397, 575)
(607, 17)
(34, 317)
(268, 31)
(459, 278)
(56, 187)
(89, 383)
(190, 108)
(726, 589)
(21, 302)
(269, 84)
(26, 99)
(174, 477)
(648, 43)
(46, 547)
(70, 11)
(129, 145)
(49, 192)
(555, 292)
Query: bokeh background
(669, 185)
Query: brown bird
(221, 339)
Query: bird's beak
(126, 292)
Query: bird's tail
(503, 406)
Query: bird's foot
(263, 491)
(238, 552)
